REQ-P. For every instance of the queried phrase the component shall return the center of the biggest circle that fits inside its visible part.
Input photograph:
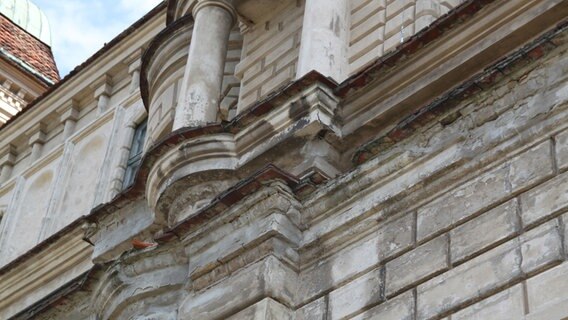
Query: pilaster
(134, 71)
(325, 37)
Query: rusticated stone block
(547, 290)
(266, 309)
(410, 268)
(491, 227)
(554, 311)
(394, 237)
(541, 247)
(564, 220)
(490, 271)
(562, 150)
(506, 305)
(316, 310)
(398, 308)
(356, 295)
(521, 172)
(546, 200)
(468, 281)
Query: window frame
(135, 154)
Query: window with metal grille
(136, 148)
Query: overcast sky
(79, 28)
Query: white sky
(81, 27)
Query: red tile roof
(28, 52)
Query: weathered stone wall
(270, 54)
(271, 48)
(468, 218)
(465, 218)
(377, 27)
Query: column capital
(225, 4)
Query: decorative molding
(69, 256)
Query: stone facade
(417, 178)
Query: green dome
(29, 17)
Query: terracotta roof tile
(27, 51)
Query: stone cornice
(441, 58)
(478, 83)
(305, 114)
(22, 280)
(85, 73)
(227, 199)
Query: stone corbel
(134, 62)
(68, 115)
(21, 94)
(7, 160)
(103, 90)
(36, 137)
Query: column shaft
(201, 89)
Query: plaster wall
(26, 215)
(81, 149)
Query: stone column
(325, 37)
(201, 88)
